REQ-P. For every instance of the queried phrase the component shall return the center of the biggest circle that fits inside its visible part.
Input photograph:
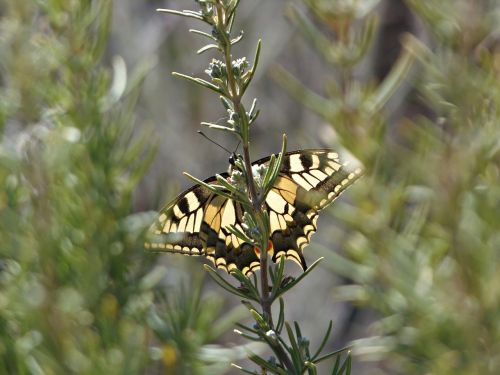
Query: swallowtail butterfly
(196, 222)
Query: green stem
(254, 199)
(256, 203)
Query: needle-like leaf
(183, 13)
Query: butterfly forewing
(197, 222)
(177, 229)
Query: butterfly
(196, 222)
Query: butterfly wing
(177, 229)
(309, 181)
(197, 221)
(223, 248)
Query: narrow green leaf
(246, 281)
(200, 81)
(346, 366)
(247, 328)
(254, 67)
(212, 188)
(254, 118)
(364, 42)
(255, 282)
(276, 170)
(269, 171)
(228, 105)
(234, 193)
(202, 33)
(349, 360)
(218, 127)
(207, 48)
(396, 76)
(252, 108)
(267, 365)
(331, 354)
(311, 368)
(249, 337)
(259, 319)
(298, 279)
(230, 23)
(184, 13)
(232, 11)
(238, 233)
(336, 366)
(281, 316)
(245, 370)
(223, 283)
(324, 341)
(295, 350)
(237, 39)
(278, 279)
(271, 273)
(297, 330)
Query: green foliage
(297, 350)
(71, 270)
(423, 240)
(76, 290)
(186, 324)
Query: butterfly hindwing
(223, 248)
(309, 181)
(197, 222)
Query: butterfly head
(235, 162)
(232, 159)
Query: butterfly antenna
(215, 143)
(237, 146)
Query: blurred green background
(96, 132)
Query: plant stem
(233, 91)
(255, 200)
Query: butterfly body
(197, 221)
